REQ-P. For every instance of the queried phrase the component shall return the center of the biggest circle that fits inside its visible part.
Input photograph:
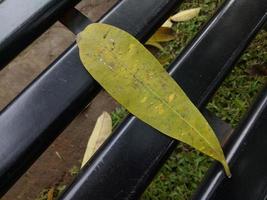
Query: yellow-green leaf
(185, 15)
(136, 79)
(102, 130)
(163, 34)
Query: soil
(53, 167)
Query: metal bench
(19, 27)
(139, 149)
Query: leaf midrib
(114, 56)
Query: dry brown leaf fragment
(185, 15)
(102, 130)
(50, 194)
(165, 59)
(163, 34)
(155, 44)
(167, 23)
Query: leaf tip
(226, 169)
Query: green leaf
(136, 79)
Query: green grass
(179, 176)
(117, 116)
(238, 90)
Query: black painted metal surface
(129, 159)
(74, 20)
(22, 21)
(246, 152)
(222, 129)
(33, 120)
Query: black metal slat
(21, 22)
(74, 20)
(129, 159)
(246, 152)
(33, 120)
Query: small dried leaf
(102, 130)
(185, 15)
(165, 59)
(163, 34)
(136, 79)
(155, 44)
(50, 194)
(167, 23)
